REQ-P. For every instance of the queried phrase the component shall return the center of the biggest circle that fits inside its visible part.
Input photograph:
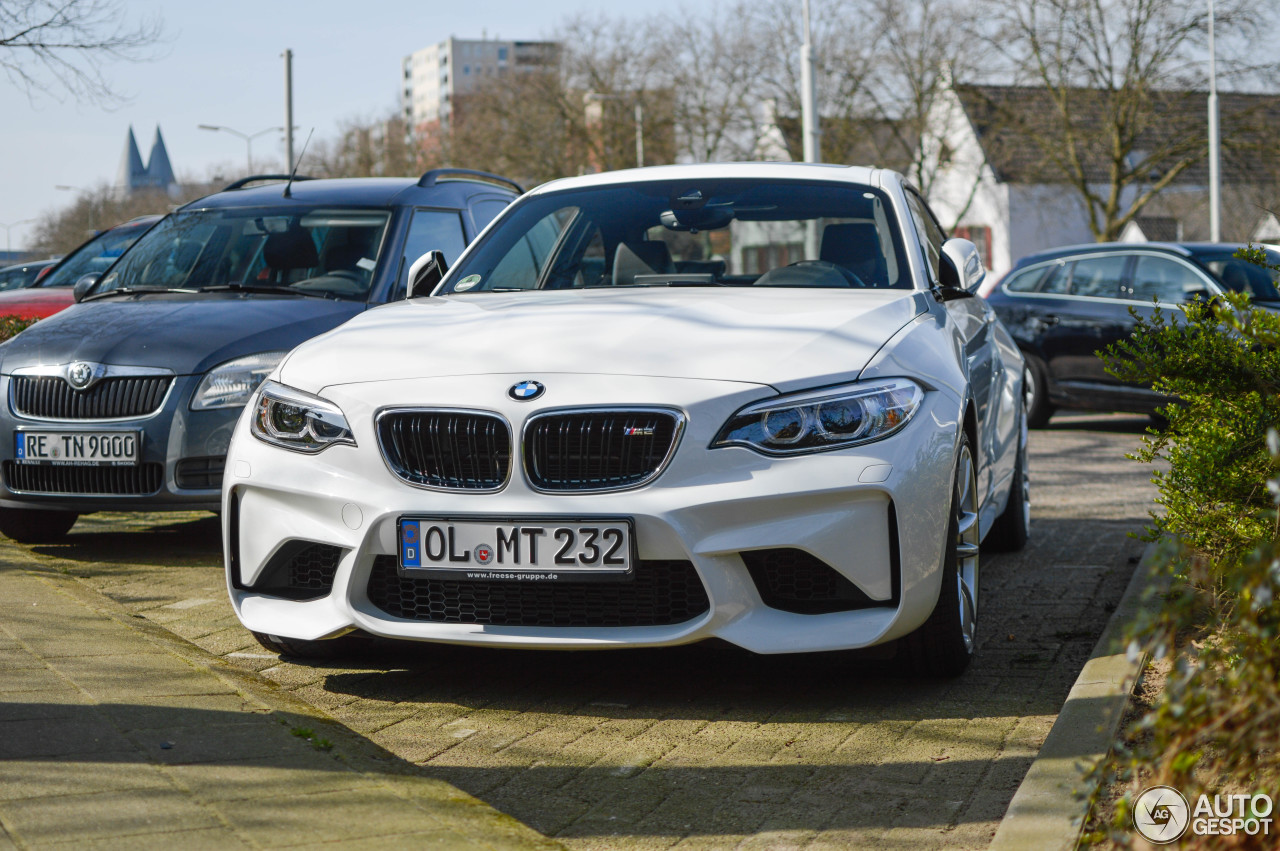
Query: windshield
(1241, 276)
(94, 256)
(309, 250)
(700, 232)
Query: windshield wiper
(263, 288)
(137, 291)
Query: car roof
(702, 171)
(1182, 249)
(355, 192)
(29, 263)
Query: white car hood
(787, 338)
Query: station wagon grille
(597, 450)
(661, 593)
(453, 450)
(51, 397)
(141, 480)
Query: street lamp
(8, 244)
(93, 213)
(596, 97)
(248, 139)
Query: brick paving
(707, 746)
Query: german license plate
(81, 448)
(536, 550)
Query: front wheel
(35, 525)
(944, 645)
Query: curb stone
(359, 754)
(1049, 809)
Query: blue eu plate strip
(410, 543)
(22, 450)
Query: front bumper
(876, 514)
(181, 454)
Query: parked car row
(22, 275)
(760, 402)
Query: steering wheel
(348, 280)
(854, 280)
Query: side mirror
(963, 255)
(82, 287)
(425, 273)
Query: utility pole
(809, 124)
(808, 105)
(1215, 178)
(639, 135)
(288, 110)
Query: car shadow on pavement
(135, 541)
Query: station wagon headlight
(825, 419)
(295, 420)
(231, 384)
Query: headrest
(293, 249)
(856, 247)
(641, 258)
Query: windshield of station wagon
(692, 233)
(305, 250)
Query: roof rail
(433, 176)
(254, 178)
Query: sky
(221, 64)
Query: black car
(22, 275)
(126, 400)
(1063, 306)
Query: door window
(486, 211)
(1098, 277)
(431, 230)
(930, 233)
(1165, 280)
(1026, 280)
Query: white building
(435, 76)
(995, 187)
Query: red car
(52, 291)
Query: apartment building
(437, 75)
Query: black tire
(1035, 392)
(35, 525)
(1012, 528)
(944, 645)
(330, 648)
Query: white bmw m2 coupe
(757, 402)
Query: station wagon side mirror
(82, 287)
(425, 273)
(966, 265)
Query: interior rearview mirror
(82, 287)
(967, 264)
(425, 273)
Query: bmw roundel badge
(526, 391)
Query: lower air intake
(794, 581)
(660, 593)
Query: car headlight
(295, 420)
(231, 384)
(824, 419)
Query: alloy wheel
(966, 547)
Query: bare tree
(56, 46)
(365, 147)
(1107, 106)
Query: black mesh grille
(795, 581)
(447, 450)
(598, 450)
(200, 473)
(119, 481)
(51, 397)
(300, 570)
(660, 593)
